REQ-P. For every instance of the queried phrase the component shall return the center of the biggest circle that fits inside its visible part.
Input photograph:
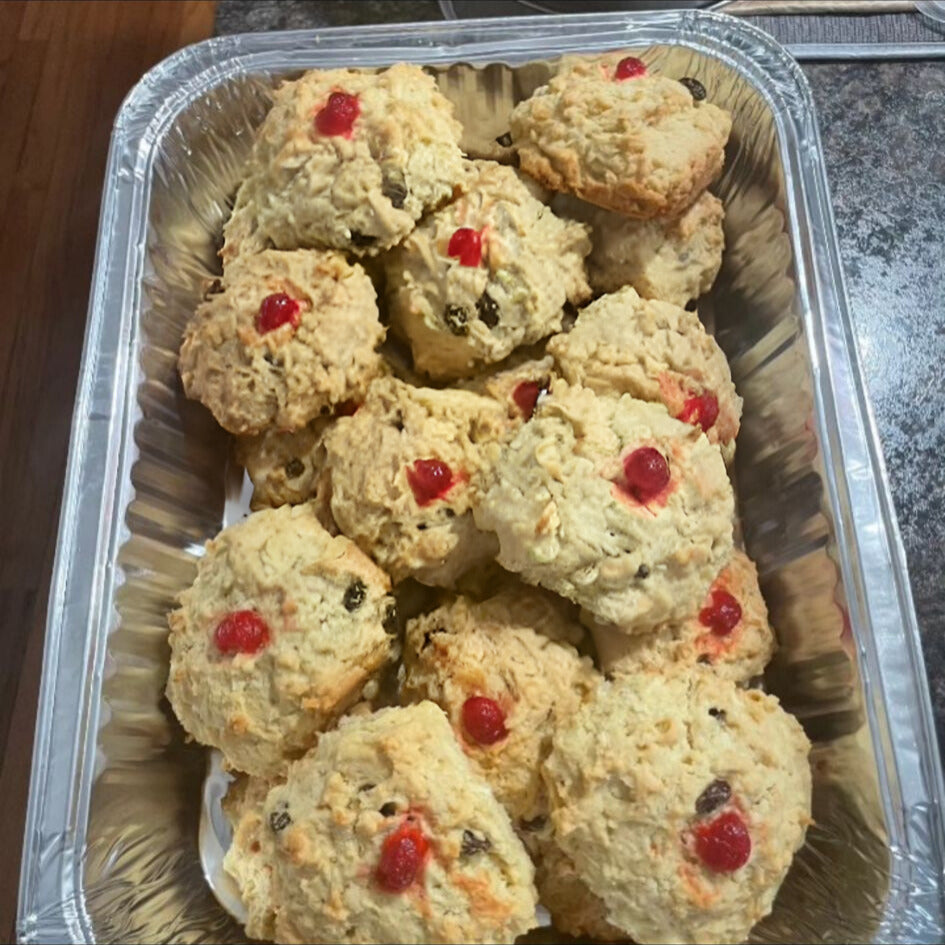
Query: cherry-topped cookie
(347, 160)
(613, 504)
(610, 131)
(504, 670)
(288, 337)
(652, 350)
(730, 632)
(278, 635)
(405, 473)
(680, 800)
(488, 272)
(385, 833)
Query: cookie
(675, 260)
(573, 908)
(681, 800)
(248, 861)
(485, 274)
(289, 468)
(405, 472)
(277, 636)
(385, 833)
(347, 160)
(289, 336)
(613, 504)
(610, 132)
(654, 351)
(730, 633)
(504, 672)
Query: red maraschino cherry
(484, 720)
(243, 631)
(338, 115)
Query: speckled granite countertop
(883, 128)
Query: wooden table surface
(64, 69)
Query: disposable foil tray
(111, 841)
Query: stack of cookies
(485, 640)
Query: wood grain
(64, 69)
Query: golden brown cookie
(278, 635)
(616, 135)
(290, 335)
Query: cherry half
(721, 616)
(484, 720)
(646, 472)
(338, 115)
(429, 479)
(723, 844)
(526, 396)
(630, 68)
(277, 310)
(402, 857)
(466, 246)
(243, 631)
(702, 410)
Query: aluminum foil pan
(111, 850)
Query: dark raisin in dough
(713, 797)
(354, 595)
(488, 310)
(457, 319)
(473, 843)
(294, 468)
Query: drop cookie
(289, 335)
(681, 801)
(347, 160)
(405, 474)
(485, 274)
(505, 672)
(613, 504)
(611, 132)
(730, 633)
(655, 351)
(384, 833)
(279, 633)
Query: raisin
(279, 820)
(395, 190)
(388, 809)
(362, 239)
(713, 797)
(473, 844)
(294, 468)
(390, 619)
(457, 319)
(643, 572)
(354, 595)
(696, 88)
(488, 310)
(505, 140)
